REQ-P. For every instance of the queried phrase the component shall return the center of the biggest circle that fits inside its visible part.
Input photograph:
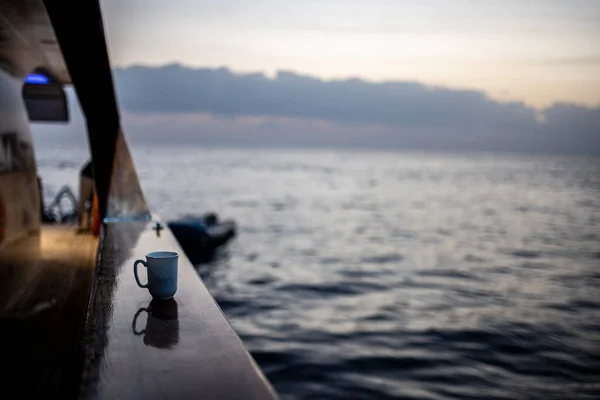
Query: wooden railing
(184, 348)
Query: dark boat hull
(200, 242)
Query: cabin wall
(19, 191)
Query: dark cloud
(399, 114)
(175, 88)
(174, 104)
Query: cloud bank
(173, 104)
(221, 106)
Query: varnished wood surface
(180, 349)
(45, 283)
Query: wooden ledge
(179, 349)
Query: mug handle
(137, 279)
(137, 314)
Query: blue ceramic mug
(162, 273)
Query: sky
(536, 51)
(436, 75)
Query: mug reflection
(162, 324)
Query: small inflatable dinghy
(200, 237)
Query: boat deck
(73, 325)
(45, 284)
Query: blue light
(37, 79)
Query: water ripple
(361, 275)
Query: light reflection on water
(374, 275)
